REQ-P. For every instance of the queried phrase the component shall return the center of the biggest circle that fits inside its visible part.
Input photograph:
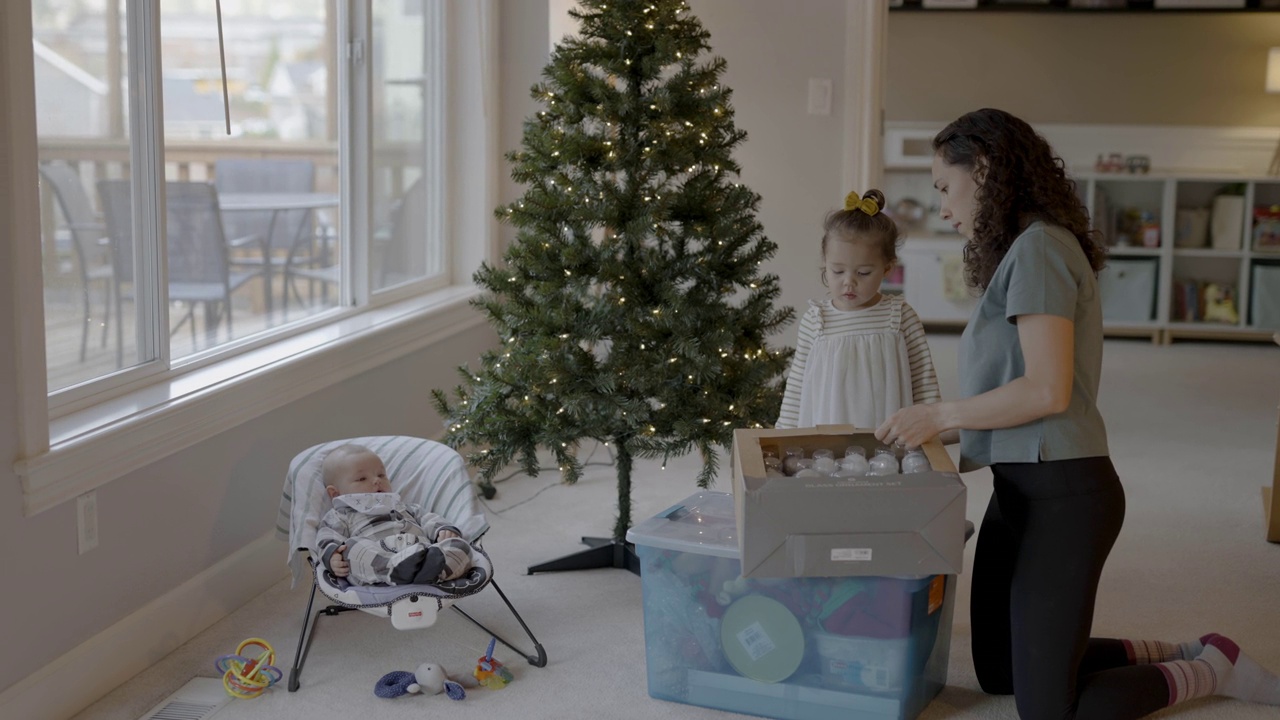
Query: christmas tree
(632, 306)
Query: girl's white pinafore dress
(857, 376)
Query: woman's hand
(912, 426)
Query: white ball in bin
(884, 462)
(915, 461)
(854, 466)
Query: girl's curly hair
(1020, 180)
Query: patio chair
(392, 251)
(398, 250)
(403, 254)
(293, 232)
(88, 238)
(423, 472)
(199, 271)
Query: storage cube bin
(1264, 308)
(1228, 222)
(1128, 288)
(856, 648)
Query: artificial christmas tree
(632, 306)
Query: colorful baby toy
(490, 672)
(245, 678)
(429, 678)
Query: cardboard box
(840, 527)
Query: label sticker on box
(936, 590)
(850, 554)
(756, 641)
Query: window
(404, 92)
(175, 258)
(252, 220)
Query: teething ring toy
(244, 677)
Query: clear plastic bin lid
(703, 523)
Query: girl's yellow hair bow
(854, 201)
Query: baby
(377, 539)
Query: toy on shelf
(1119, 163)
(247, 678)
(1220, 303)
(489, 672)
(429, 678)
(1266, 228)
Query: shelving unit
(1234, 263)
(1227, 258)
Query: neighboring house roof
(184, 103)
(68, 68)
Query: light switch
(819, 96)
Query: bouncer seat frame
(424, 472)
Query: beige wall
(523, 52)
(791, 158)
(1186, 69)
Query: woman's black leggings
(1044, 540)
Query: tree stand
(614, 552)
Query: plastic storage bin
(1264, 310)
(856, 648)
(1128, 288)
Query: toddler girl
(861, 355)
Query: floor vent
(200, 699)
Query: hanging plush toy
(429, 678)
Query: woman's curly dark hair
(1020, 180)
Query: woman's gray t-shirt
(1044, 273)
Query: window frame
(85, 436)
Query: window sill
(94, 446)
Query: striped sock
(1146, 652)
(1220, 669)
(1189, 679)
(1238, 675)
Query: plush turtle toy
(429, 678)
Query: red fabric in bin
(883, 610)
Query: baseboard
(142, 639)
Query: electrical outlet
(87, 521)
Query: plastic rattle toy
(246, 678)
(490, 672)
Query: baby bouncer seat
(423, 472)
